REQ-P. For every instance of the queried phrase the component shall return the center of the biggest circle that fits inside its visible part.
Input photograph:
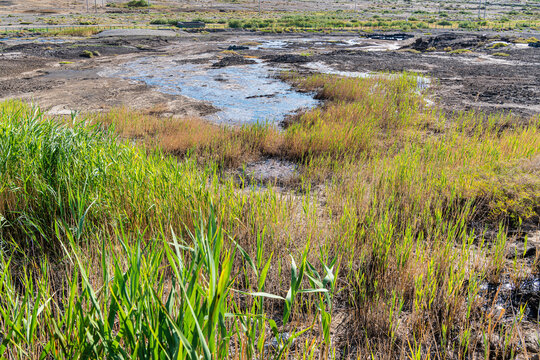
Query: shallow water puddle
(244, 94)
(302, 43)
(370, 45)
(311, 43)
(271, 44)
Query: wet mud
(233, 61)
(248, 93)
(279, 173)
(473, 79)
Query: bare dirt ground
(57, 76)
(59, 79)
(78, 6)
(399, 9)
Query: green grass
(335, 20)
(498, 45)
(68, 31)
(460, 51)
(138, 3)
(124, 234)
(74, 173)
(127, 316)
(375, 18)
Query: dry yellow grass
(180, 136)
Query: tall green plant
(167, 301)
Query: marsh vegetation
(125, 235)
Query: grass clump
(532, 39)
(76, 31)
(498, 45)
(501, 54)
(138, 3)
(89, 54)
(347, 124)
(73, 167)
(460, 51)
(444, 23)
(186, 326)
(412, 51)
(164, 21)
(235, 24)
(229, 52)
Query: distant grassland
(87, 25)
(346, 20)
(123, 234)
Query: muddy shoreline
(472, 78)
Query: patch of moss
(412, 51)
(460, 51)
(90, 54)
(87, 54)
(498, 45)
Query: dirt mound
(449, 40)
(70, 51)
(233, 60)
(288, 58)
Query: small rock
(288, 58)
(238, 47)
(518, 251)
(233, 60)
(60, 110)
(532, 340)
(497, 312)
(275, 345)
